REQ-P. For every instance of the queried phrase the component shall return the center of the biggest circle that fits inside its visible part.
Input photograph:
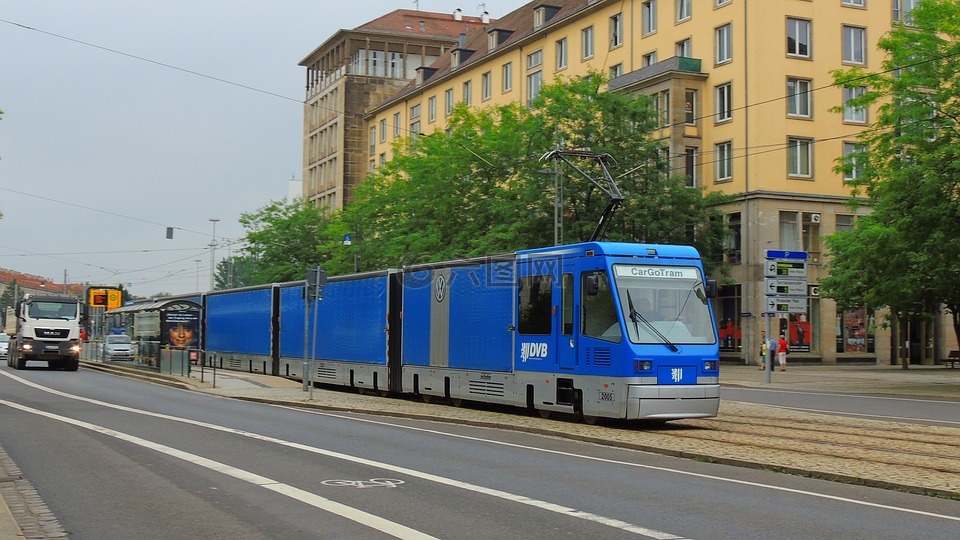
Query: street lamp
(213, 252)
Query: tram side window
(566, 307)
(599, 314)
(535, 305)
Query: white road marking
(348, 512)
(543, 505)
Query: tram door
(566, 346)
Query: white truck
(44, 327)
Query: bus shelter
(167, 332)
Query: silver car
(4, 345)
(117, 347)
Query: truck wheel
(21, 363)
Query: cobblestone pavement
(677, 438)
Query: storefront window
(728, 318)
(856, 331)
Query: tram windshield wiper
(637, 318)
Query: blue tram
(596, 329)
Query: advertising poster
(181, 329)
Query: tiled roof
(407, 21)
(36, 282)
(519, 25)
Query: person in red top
(782, 348)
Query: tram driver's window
(536, 306)
(599, 318)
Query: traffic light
(98, 298)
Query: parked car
(4, 345)
(117, 347)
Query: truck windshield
(53, 310)
(664, 304)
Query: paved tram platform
(22, 514)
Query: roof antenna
(417, 4)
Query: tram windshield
(664, 304)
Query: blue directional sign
(778, 254)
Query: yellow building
(745, 94)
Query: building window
(799, 157)
(724, 161)
(373, 165)
(535, 59)
(844, 223)
(903, 11)
(798, 38)
(448, 101)
(382, 159)
(415, 111)
(650, 59)
(432, 109)
(690, 166)
(732, 240)
(852, 168)
(662, 106)
(723, 2)
(789, 231)
(798, 97)
(373, 140)
(561, 54)
(486, 86)
(468, 93)
(415, 129)
(507, 73)
(724, 102)
(854, 44)
(690, 107)
(383, 130)
(539, 17)
(850, 113)
(396, 124)
(724, 44)
(534, 82)
(586, 43)
(811, 235)
(649, 15)
(616, 71)
(685, 48)
(616, 30)
(857, 3)
(683, 9)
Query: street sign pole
(785, 289)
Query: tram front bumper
(668, 402)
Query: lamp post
(213, 252)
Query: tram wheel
(456, 402)
(426, 398)
(545, 414)
(589, 420)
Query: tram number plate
(606, 396)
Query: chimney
(462, 41)
(458, 15)
(485, 18)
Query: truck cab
(45, 328)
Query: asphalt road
(118, 458)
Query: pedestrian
(763, 350)
(782, 348)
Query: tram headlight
(709, 365)
(642, 365)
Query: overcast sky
(102, 146)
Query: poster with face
(181, 329)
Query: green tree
(479, 187)
(233, 272)
(906, 254)
(284, 239)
